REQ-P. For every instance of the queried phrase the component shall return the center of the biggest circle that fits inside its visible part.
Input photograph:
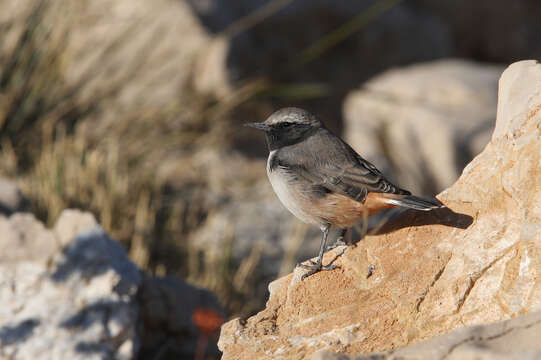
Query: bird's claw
(312, 262)
(316, 267)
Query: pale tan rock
(70, 302)
(434, 272)
(23, 238)
(517, 338)
(210, 74)
(73, 222)
(11, 197)
(150, 47)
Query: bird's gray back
(324, 160)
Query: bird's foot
(316, 267)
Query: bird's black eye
(286, 124)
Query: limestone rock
(162, 39)
(423, 123)
(72, 292)
(482, 342)
(71, 223)
(477, 262)
(72, 302)
(23, 238)
(11, 198)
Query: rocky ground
(72, 293)
(474, 263)
(481, 342)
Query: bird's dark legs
(339, 240)
(317, 266)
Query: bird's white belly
(290, 194)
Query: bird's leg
(339, 240)
(317, 265)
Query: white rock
(11, 198)
(70, 303)
(421, 124)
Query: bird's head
(287, 126)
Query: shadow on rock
(412, 218)
(110, 314)
(85, 317)
(18, 333)
(92, 254)
(409, 218)
(95, 348)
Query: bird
(321, 180)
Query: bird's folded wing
(354, 181)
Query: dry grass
(50, 145)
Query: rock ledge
(434, 272)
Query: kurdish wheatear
(322, 180)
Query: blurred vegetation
(51, 145)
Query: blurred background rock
(132, 109)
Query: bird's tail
(414, 202)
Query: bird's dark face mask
(285, 134)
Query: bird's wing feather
(347, 174)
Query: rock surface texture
(73, 302)
(476, 263)
(482, 342)
(73, 293)
(11, 198)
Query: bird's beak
(259, 126)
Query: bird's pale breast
(292, 193)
